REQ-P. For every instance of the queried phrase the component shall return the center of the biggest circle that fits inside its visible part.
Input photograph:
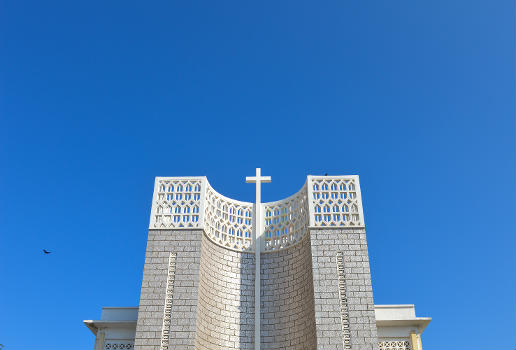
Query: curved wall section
(228, 222)
(286, 221)
(287, 303)
(225, 309)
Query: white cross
(258, 179)
(257, 242)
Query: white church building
(306, 257)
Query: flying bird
(46, 251)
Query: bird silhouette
(46, 251)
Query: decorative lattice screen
(191, 203)
(119, 344)
(394, 344)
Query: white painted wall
(119, 314)
(395, 312)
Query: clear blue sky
(99, 97)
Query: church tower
(222, 274)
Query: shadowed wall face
(225, 318)
(288, 318)
(343, 294)
(186, 247)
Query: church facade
(306, 257)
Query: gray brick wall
(287, 319)
(325, 244)
(213, 294)
(187, 245)
(225, 318)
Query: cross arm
(252, 179)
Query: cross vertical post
(257, 243)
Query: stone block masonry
(212, 301)
(225, 316)
(350, 243)
(186, 245)
(287, 304)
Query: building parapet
(183, 203)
